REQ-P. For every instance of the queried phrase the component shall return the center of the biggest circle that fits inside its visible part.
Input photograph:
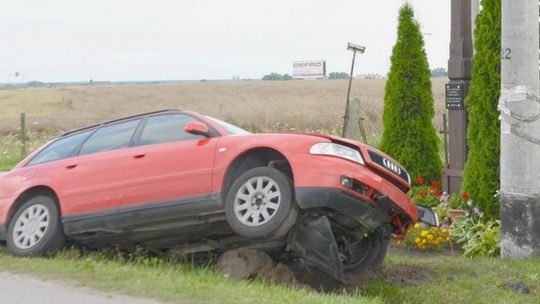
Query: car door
(169, 166)
(93, 181)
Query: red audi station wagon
(180, 182)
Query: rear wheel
(260, 204)
(35, 228)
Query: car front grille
(388, 166)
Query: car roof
(120, 120)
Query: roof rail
(118, 120)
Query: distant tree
(35, 83)
(286, 77)
(481, 174)
(439, 72)
(409, 135)
(338, 75)
(276, 76)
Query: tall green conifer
(409, 135)
(481, 176)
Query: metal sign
(309, 69)
(454, 96)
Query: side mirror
(197, 128)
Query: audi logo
(392, 166)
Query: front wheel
(364, 254)
(260, 204)
(35, 228)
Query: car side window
(61, 148)
(111, 137)
(167, 128)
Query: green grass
(407, 278)
(448, 279)
(164, 280)
(10, 147)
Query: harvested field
(261, 106)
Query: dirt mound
(253, 264)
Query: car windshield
(231, 129)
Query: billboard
(309, 69)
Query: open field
(259, 106)
(256, 105)
(406, 278)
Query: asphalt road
(23, 289)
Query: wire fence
(21, 135)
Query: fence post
(352, 125)
(23, 135)
(362, 129)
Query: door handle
(139, 156)
(71, 166)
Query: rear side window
(108, 138)
(167, 128)
(62, 148)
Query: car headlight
(337, 150)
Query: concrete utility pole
(459, 74)
(520, 130)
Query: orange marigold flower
(422, 193)
(420, 180)
(465, 196)
(436, 183)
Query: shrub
(439, 72)
(458, 200)
(426, 238)
(276, 76)
(477, 237)
(338, 75)
(426, 195)
(409, 135)
(481, 175)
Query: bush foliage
(481, 176)
(277, 76)
(409, 135)
(338, 75)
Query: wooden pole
(23, 135)
(347, 106)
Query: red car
(180, 182)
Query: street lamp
(354, 48)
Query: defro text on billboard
(309, 69)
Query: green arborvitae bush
(409, 135)
(481, 176)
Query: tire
(363, 255)
(260, 204)
(35, 229)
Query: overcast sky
(75, 40)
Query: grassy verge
(406, 279)
(157, 278)
(448, 279)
